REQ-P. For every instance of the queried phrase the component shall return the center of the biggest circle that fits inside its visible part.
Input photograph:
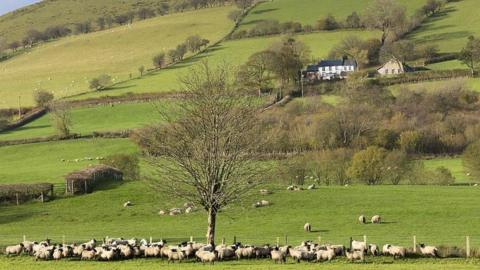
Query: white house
(330, 69)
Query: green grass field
(472, 83)
(99, 118)
(13, 26)
(455, 165)
(41, 162)
(453, 64)
(309, 11)
(451, 28)
(234, 52)
(65, 66)
(423, 264)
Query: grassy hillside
(99, 118)
(42, 162)
(455, 165)
(235, 52)
(14, 25)
(309, 11)
(65, 66)
(451, 28)
(473, 83)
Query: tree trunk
(212, 218)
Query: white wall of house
(325, 71)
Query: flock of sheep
(121, 249)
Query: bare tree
(205, 155)
(387, 16)
(61, 117)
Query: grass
(450, 28)
(455, 165)
(424, 264)
(98, 118)
(472, 83)
(446, 65)
(41, 162)
(65, 66)
(234, 52)
(14, 25)
(309, 11)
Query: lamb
(428, 250)
(175, 255)
(278, 256)
(376, 219)
(359, 246)
(14, 250)
(355, 255)
(312, 186)
(396, 251)
(207, 256)
(373, 249)
(57, 254)
(307, 227)
(325, 255)
(362, 219)
(88, 254)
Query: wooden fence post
(150, 239)
(16, 195)
(467, 251)
(319, 240)
(63, 239)
(414, 244)
(191, 238)
(223, 240)
(234, 239)
(278, 241)
(43, 200)
(286, 240)
(365, 240)
(351, 240)
(24, 238)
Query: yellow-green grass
(455, 165)
(65, 66)
(309, 11)
(234, 52)
(447, 65)
(472, 83)
(42, 162)
(99, 118)
(14, 25)
(378, 263)
(451, 28)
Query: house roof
(312, 68)
(337, 62)
(406, 67)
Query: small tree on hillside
(234, 15)
(385, 15)
(159, 60)
(368, 165)
(205, 156)
(353, 20)
(141, 69)
(101, 82)
(194, 43)
(61, 117)
(42, 98)
(470, 55)
(257, 72)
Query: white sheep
(175, 255)
(245, 252)
(373, 250)
(127, 204)
(152, 251)
(307, 227)
(325, 255)
(207, 256)
(298, 254)
(175, 211)
(355, 255)
(362, 219)
(312, 186)
(278, 256)
(88, 254)
(376, 219)
(57, 254)
(428, 250)
(359, 246)
(44, 253)
(338, 249)
(108, 254)
(396, 251)
(225, 252)
(262, 252)
(14, 250)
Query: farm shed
(84, 181)
(17, 193)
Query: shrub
(42, 98)
(410, 141)
(368, 166)
(128, 164)
(442, 176)
(328, 23)
(159, 60)
(3, 123)
(100, 82)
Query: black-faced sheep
(428, 250)
(307, 227)
(376, 219)
(373, 250)
(14, 250)
(362, 219)
(207, 256)
(355, 255)
(325, 255)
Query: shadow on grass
(24, 128)
(262, 11)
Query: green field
(309, 11)
(42, 162)
(421, 264)
(453, 64)
(102, 118)
(455, 165)
(234, 52)
(451, 28)
(65, 66)
(472, 83)
(14, 25)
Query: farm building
(330, 69)
(394, 67)
(83, 181)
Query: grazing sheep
(88, 254)
(299, 255)
(207, 256)
(162, 212)
(355, 255)
(77, 250)
(264, 202)
(127, 204)
(189, 210)
(362, 219)
(264, 191)
(307, 227)
(396, 251)
(325, 255)
(107, 254)
(359, 246)
(90, 244)
(245, 252)
(175, 255)
(376, 219)
(126, 251)
(57, 254)
(14, 250)
(44, 254)
(152, 251)
(263, 252)
(312, 186)
(28, 246)
(279, 256)
(292, 187)
(175, 211)
(67, 251)
(385, 250)
(338, 249)
(188, 250)
(373, 250)
(428, 250)
(225, 252)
